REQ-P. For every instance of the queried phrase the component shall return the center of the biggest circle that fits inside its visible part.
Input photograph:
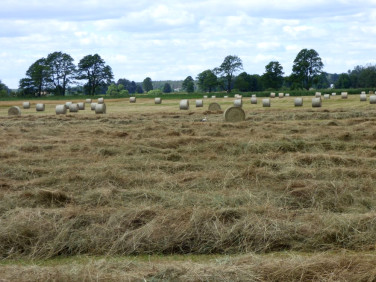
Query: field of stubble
(151, 192)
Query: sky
(172, 39)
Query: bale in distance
(40, 107)
(326, 96)
(199, 103)
(205, 96)
(334, 94)
(363, 92)
(213, 97)
(234, 114)
(67, 104)
(61, 109)
(253, 100)
(92, 106)
(372, 99)
(344, 95)
(100, 108)
(298, 102)
(213, 107)
(316, 102)
(363, 97)
(238, 103)
(81, 106)
(132, 99)
(158, 100)
(100, 101)
(14, 111)
(88, 101)
(266, 102)
(225, 96)
(26, 105)
(281, 95)
(253, 96)
(272, 95)
(287, 95)
(184, 104)
(318, 94)
(73, 108)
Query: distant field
(151, 192)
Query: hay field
(151, 192)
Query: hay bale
(81, 106)
(40, 107)
(100, 101)
(205, 97)
(281, 95)
(100, 108)
(253, 96)
(157, 100)
(234, 114)
(372, 99)
(73, 108)
(272, 95)
(225, 96)
(92, 106)
(238, 103)
(363, 97)
(26, 105)
(287, 95)
(298, 102)
(14, 111)
(213, 107)
(67, 104)
(253, 100)
(184, 104)
(316, 102)
(61, 109)
(326, 96)
(213, 97)
(344, 95)
(199, 103)
(266, 102)
(132, 99)
(363, 92)
(318, 94)
(88, 101)
(334, 94)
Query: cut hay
(73, 108)
(158, 100)
(238, 103)
(26, 105)
(40, 107)
(100, 101)
(184, 104)
(92, 106)
(14, 111)
(266, 102)
(132, 99)
(199, 103)
(213, 107)
(363, 97)
(372, 99)
(88, 101)
(100, 108)
(316, 102)
(298, 102)
(81, 106)
(234, 114)
(61, 109)
(253, 100)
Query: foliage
(128, 85)
(156, 92)
(188, 84)
(4, 90)
(207, 80)
(230, 65)
(139, 89)
(147, 84)
(322, 81)
(93, 69)
(273, 76)
(36, 78)
(167, 88)
(306, 68)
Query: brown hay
(213, 107)
(14, 111)
(234, 114)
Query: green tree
(139, 89)
(61, 71)
(147, 84)
(207, 80)
(343, 81)
(322, 81)
(93, 69)
(306, 68)
(189, 84)
(167, 88)
(273, 76)
(112, 90)
(4, 90)
(230, 65)
(36, 78)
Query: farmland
(149, 191)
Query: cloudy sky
(173, 39)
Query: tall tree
(189, 84)
(93, 69)
(61, 71)
(36, 78)
(167, 88)
(306, 68)
(230, 65)
(343, 81)
(147, 84)
(128, 85)
(207, 80)
(273, 76)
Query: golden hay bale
(213, 97)
(372, 99)
(213, 107)
(81, 106)
(88, 101)
(272, 95)
(334, 94)
(67, 104)
(92, 106)
(61, 109)
(281, 95)
(266, 102)
(316, 102)
(26, 105)
(298, 102)
(100, 101)
(253, 100)
(14, 111)
(158, 100)
(100, 108)
(132, 99)
(205, 96)
(40, 107)
(318, 94)
(344, 95)
(287, 95)
(238, 103)
(199, 103)
(234, 114)
(326, 96)
(363, 97)
(184, 104)
(73, 108)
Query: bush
(155, 92)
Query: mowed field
(152, 192)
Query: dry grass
(150, 179)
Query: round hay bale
(213, 97)
(67, 104)
(272, 95)
(238, 103)
(363, 92)
(372, 99)
(316, 102)
(363, 97)
(88, 101)
(266, 102)
(298, 102)
(225, 96)
(334, 94)
(132, 99)
(14, 111)
(26, 105)
(253, 100)
(199, 103)
(184, 104)
(344, 95)
(287, 95)
(253, 96)
(40, 107)
(205, 97)
(234, 114)
(100, 108)
(280, 95)
(61, 109)
(100, 101)
(73, 108)
(81, 106)
(318, 94)
(326, 96)
(213, 107)
(92, 106)
(157, 100)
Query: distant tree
(273, 76)
(93, 69)
(343, 81)
(256, 82)
(207, 80)
(36, 78)
(306, 68)
(167, 88)
(188, 84)
(230, 65)
(3, 90)
(147, 84)
(139, 89)
(61, 71)
(128, 85)
(113, 90)
(322, 81)
(243, 82)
